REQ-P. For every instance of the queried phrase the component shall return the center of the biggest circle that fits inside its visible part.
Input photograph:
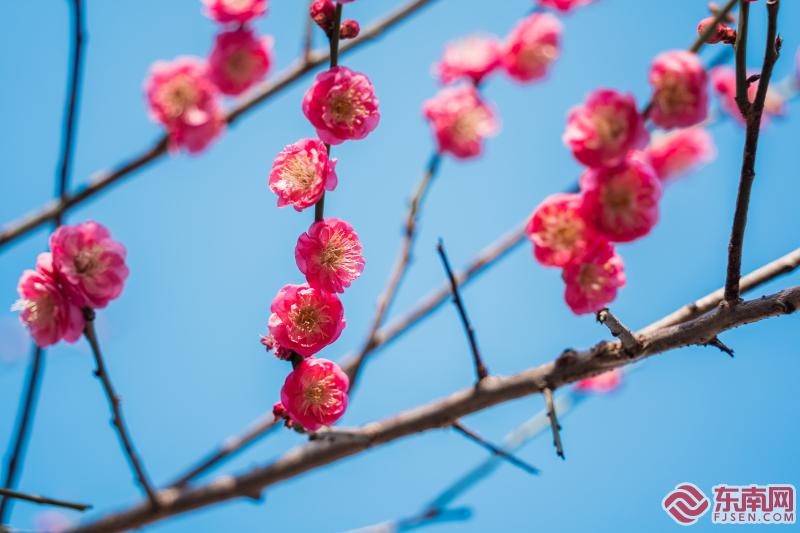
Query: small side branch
(116, 410)
(554, 425)
(480, 368)
(471, 435)
(618, 329)
(43, 500)
(716, 343)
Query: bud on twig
(722, 33)
(349, 29)
(323, 12)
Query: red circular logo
(686, 504)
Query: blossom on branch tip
(323, 12)
(341, 105)
(564, 6)
(44, 308)
(532, 47)
(602, 131)
(679, 152)
(471, 57)
(305, 319)
(601, 383)
(721, 34)
(330, 255)
(460, 120)
(239, 60)
(90, 264)
(592, 282)
(558, 231)
(301, 173)
(680, 95)
(183, 99)
(235, 11)
(621, 202)
(315, 393)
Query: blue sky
(208, 250)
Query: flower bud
(323, 12)
(349, 29)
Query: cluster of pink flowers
(85, 268)
(184, 94)
(620, 190)
(341, 105)
(460, 119)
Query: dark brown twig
(511, 458)
(617, 329)
(716, 343)
(480, 368)
(753, 124)
(43, 500)
(555, 427)
(742, 98)
(115, 404)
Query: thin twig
(441, 413)
(116, 411)
(617, 329)
(742, 98)
(104, 179)
(43, 500)
(753, 122)
(555, 427)
(716, 343)
(480, 369)
(308, 34)
(499, 452)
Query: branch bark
(43, 500)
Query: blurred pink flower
(239, 60)
(236, 11)
(330, 255)
(305, 319)
(723, 79)
(532, 47)
(301, 173)
(601, 383)
(604, 129)
(44, 308)
(341, 105)
(565, 6)
(592, 282)
(621, 202)
(460, 120)
(90, 264)
(471, 57)
(559, 233)
(680, 94)
(679, 152)
(52, 522)
(315, 393)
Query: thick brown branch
(116, 411)
(753, 122)
(499, 452)
(104, 179)
(480, 368)
(555, 427)
(442, 413)
(43, 500)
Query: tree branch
(742, 99)
(617, 329)
(43, 500)
(104, 179)
(555, 427)
(499, 452)
(753, 121)
(566, 369)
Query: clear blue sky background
(208, 250)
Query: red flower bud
(349, 29)
(323, 12)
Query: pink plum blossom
(330, 255)
(604, 129)
(184, 100)
(341, 105)
(722, 32)
(305, 319)
(678, 152)
(532, 47)
(234, 11)
(315, 394)
(471, 57)
(44, 308)
(680, 95)
(460, 120)
(723, 79)
(301, 173)
(565, 6)
(602, 383)
(239, 60)
(91, 265)
(592, 282)
(559, 233)
(621, 202)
